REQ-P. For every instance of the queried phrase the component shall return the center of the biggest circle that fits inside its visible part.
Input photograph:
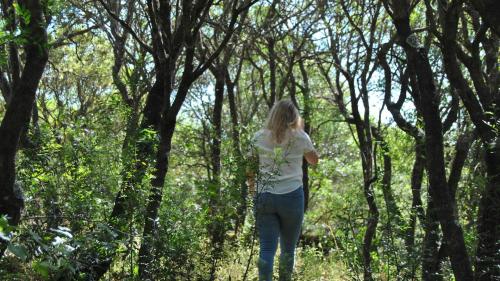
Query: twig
(125, 25)
(62, 40)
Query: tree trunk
(431, 264)
(146, 251)
(366, 154)
(417, 210)
(306, 114)
(371, 228)
(272, 70)
(428, 104)
(488, 245)
(241, 176)
(166, 132)
(18, 112)
(393, 211)
(488, 226)
(216, 228)
(489, 11)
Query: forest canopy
(126, 127)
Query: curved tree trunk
(19, 110)
(484, 110)
(428, 104)
(489, 10)
(167, 128)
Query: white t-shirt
(280, 165)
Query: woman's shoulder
(260, 133)
(300, 134)
(302, 137)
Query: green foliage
(23, 13)
(84, 146)
(179, 247)
(47, 252)
(5, 229)
(19, 251)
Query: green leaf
(5, 228)
(22, 13)
(19, 251)
(42, 268)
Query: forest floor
(310, 265)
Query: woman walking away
(279, 202)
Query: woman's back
(280, 165)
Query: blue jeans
(278, 217)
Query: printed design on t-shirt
(279, 157)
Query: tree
(484, 111)
(355, 67)
(21, 97)
(426, 101)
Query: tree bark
(272, 70)
(18, 112)
(185, 37)
(235, 133)
(166, 132)
(488, 244)
(306, 114)
(431, 263)
(216, 227)
(417, 209)
(489, 11)
(428, 105)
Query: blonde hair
(283, 118)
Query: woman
(279, 202)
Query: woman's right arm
(312, 157)
(310, 153)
